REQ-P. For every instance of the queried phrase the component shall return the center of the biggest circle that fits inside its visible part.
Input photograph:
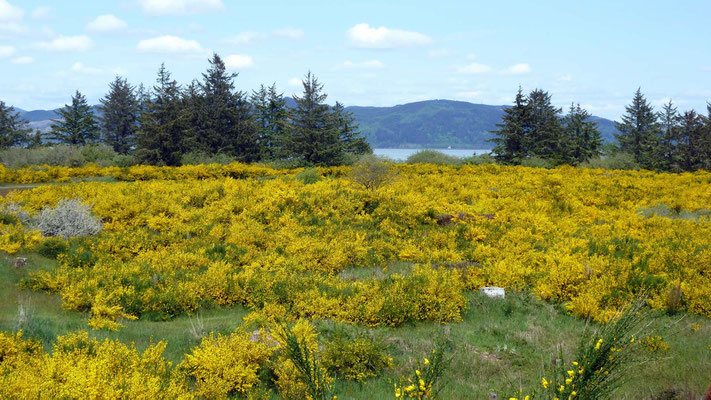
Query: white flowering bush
(69, 218)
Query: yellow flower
(544, 382)
(571, 373)
(597, 345)
(573, 393)
(561, 388)
(427, 362)
(575, 363)
(567, 381)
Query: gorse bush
(309, 176)
(426, 379)
(355, 358)
(70, 218)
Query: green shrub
(537, 162)
(199, 158)
(309, 176)
(52, 247)
(356, 358)
(97, 153)
(480, 159)
(62, 155)
(614, 161)
(433, 157)
(122, 160)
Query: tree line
(209, 116)
(664, 141)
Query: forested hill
(438, 124)
(431, 123)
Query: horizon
(365, 54)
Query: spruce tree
(512, 137)
(546, 136)
(349, 133)
(693, 142)
(640, 132)
(13, 128)
(315, 137)
(228, 124)
(119, 119)
(582, 135)
(192, 117)
(668, 153)
(77, 125)
(160, 135)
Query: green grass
(500, 345)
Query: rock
(19, 262)
(493, 292)
(493, 396)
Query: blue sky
(366, 52)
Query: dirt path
(4, 190)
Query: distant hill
(439, 124)
(424, 124)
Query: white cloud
(371, 64)
(365, 36)
(8, 12)
(246, 37)
(168, 44)
(706, 68)
(289, 33)
(68, 43)
(237, 61)
(41, 13)
(106, 23)
(565, 78)
(471, 56)
(295, 82)
(6, 51)
(22, 60)
(180, 7)
(474, 68)
(518, 69)
(83, 69)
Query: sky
(369, 53)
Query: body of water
(402, 154)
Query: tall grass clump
(433, 157)
(425, 381)
(307, 367)
(70, 218)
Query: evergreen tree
(228, 125)
(192, 116)
(349, 133)
(119, 116)
(640, 132)
(546, 136)
(315, 137)
(512, 138)
(13, 128)
(77, 125)
(34, 140)
(693, 142)
(582, 135)
(160, 135)
(667, 149)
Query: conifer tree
(192, 117)
(640, 132)
(512, 137)
(546, 136)
(228, 125)
(160, 135)
(582, 135)
(119, 119)
(13, 128)
(667, 149)
(349, 133)
(693, 142)
(315, 138)
(77, 125)
(272, 118)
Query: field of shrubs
(369, 247)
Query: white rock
(493, 292)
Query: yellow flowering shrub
(176, 239)
(81, 367)
(226, 365)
